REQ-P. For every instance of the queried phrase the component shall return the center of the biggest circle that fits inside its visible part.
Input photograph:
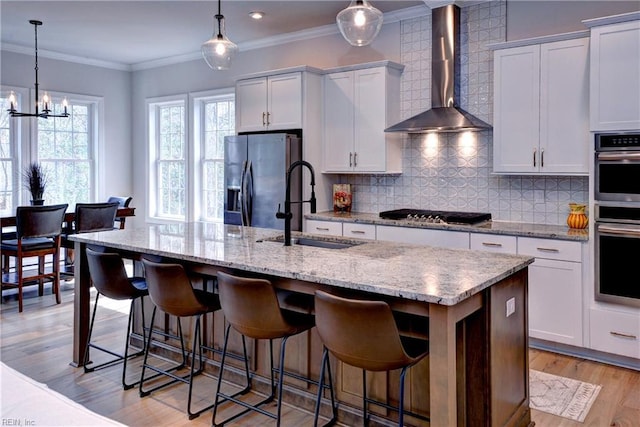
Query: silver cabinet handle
(264, 123)
(322, 228)
(357, 232)
(621, 335)
(542, 158)
(554, 250)
(493, 245)
(355, 159)
(534, 157)
(268, 120)
(350, 159)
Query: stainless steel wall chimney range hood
(444, 115)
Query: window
(168, 149)
(218, 121)
(64, 146)
(9, 179)
(65, 150)
(186, 175)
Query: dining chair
(123, 202)
(38, 234)
(89, 217)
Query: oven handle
(618, 156)
(619, 230)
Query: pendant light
(46, 102)
(359, 23)
(219, 51)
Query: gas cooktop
(442, 217)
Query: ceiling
(131, 33)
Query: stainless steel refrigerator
(255, 171)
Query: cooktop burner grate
(448, 217)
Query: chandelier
(42, 108)
(359, 23)
(218, 51)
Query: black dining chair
(123, 202)
(89, 217)
(38, 234)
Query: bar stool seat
(171, 291)
(251, 308)
(109, 277)
(364, 334)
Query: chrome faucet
(287, 215)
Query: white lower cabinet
(555, 289)
(422, 236)
(615, 332)
(329, 228)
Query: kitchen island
(471, 306)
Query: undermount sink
(318, 242)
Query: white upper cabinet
(358, 105)
(615, 76)
(541, 108)
(269, 103)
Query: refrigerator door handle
(243, 194)
(247, 191)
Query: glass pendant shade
(359, 23)
(219, 51)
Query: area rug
(561, 396)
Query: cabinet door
(516, 109)
(555, 301)
(284, 98)
(565, 141)
(338, 122)
(251, 101)
(615, 86)
(370, 108)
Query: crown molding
(325, 30)
(42, 53)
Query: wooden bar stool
(364, 334)
(251, 307)
(109, 277)
(171, 291)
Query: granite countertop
(422, 273)
(522, 229)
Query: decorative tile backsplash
(453, 171)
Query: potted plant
(35, 178)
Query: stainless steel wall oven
(617, 167)
(617, 218)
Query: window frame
(96, 146)
(197, 104)
(152, 112)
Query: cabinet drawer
(550, 249)
(324, 227)
(494, 243)
(363, 231)
(438, 238)
(615, 332)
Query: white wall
(527, 19)
(114, 86)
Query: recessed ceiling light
(256, 14)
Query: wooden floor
(37, 343)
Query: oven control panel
(617, 141)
